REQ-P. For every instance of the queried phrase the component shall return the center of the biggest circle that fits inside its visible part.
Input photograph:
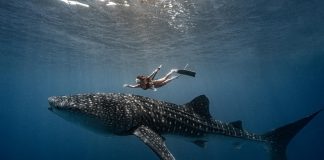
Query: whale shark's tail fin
(279, 138)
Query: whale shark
(150, 120)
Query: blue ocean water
(258, 61)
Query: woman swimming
(148, 82)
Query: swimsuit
(146, 83)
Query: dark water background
(259, 61)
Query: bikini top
(145, 82)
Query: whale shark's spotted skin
(148, 119)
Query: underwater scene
(162, 79)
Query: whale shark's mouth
(58, 102)
(52, 101)
(64, 104)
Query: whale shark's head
(99, 112)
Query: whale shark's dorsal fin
(199, 106)
(237, 124)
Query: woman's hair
(141, 77)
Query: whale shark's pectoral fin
(154, 141)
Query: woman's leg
(166, 79)
(167, 76)
(169, 79)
